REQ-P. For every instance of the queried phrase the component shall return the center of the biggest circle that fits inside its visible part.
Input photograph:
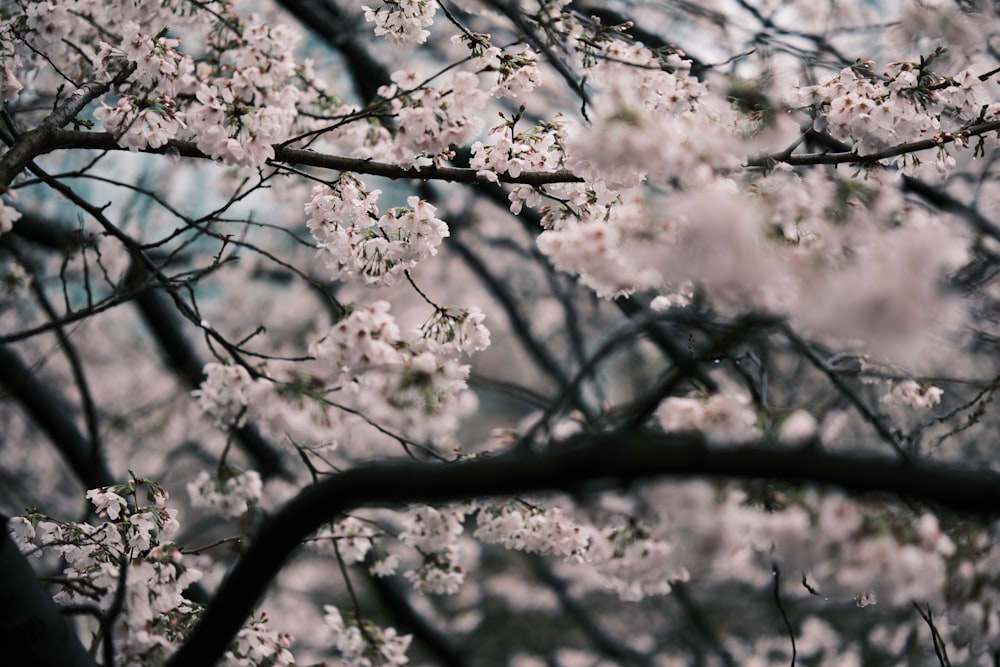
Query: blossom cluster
(394, 379)
(452, 331)
(517, 71)
(234, 105)
(635, 563)
(546, 531)
(723, 417)
(355, 541)
(627, 559)
(149, 115)
(357, 243)
(259, 644)
(364, 369)
(511, 152)
(225, 394)
(228, 492)
(364, 644)
(909, 102)
(914, 394)
(402, 21)
(132, 548)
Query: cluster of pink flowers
(136, 534)
(402, 21)
(724, 418)
(228, 492)
(434, 534)
(542, 530)
(517, 71)
(431, 120)
(909, 102)
(626, 559)
(355, 541)
(395, 380)
(225, 394)
(235, 108)
(365, 369)
(914, 394)
(453, 331)
(356, 242)
(511, 151)
(367, 646)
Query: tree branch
(50, 412)
(33, 143)
(586, 462)
(850, 157)
(184, 361)
(53, 140)
(32, 632)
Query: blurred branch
(340, 29)
(182, 358)
(602, 641)
(32, 631)
(651, 40)
(700, 622)
(521, 327)
(157, 312)
(881, 426)
(583, 463)
(51, 412)
(438, 643)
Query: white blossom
(107, 503)
(229, 492)
(913, 394)
(374, 647)
(356, 243)
(225, 394)
(402, 21)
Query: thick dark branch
(587, 462)
(948, 204)
(50, 412)
(32, 632)
(33, 143)
(63, 139)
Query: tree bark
(32, 631)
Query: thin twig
(777, 600)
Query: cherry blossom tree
(527, 332)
